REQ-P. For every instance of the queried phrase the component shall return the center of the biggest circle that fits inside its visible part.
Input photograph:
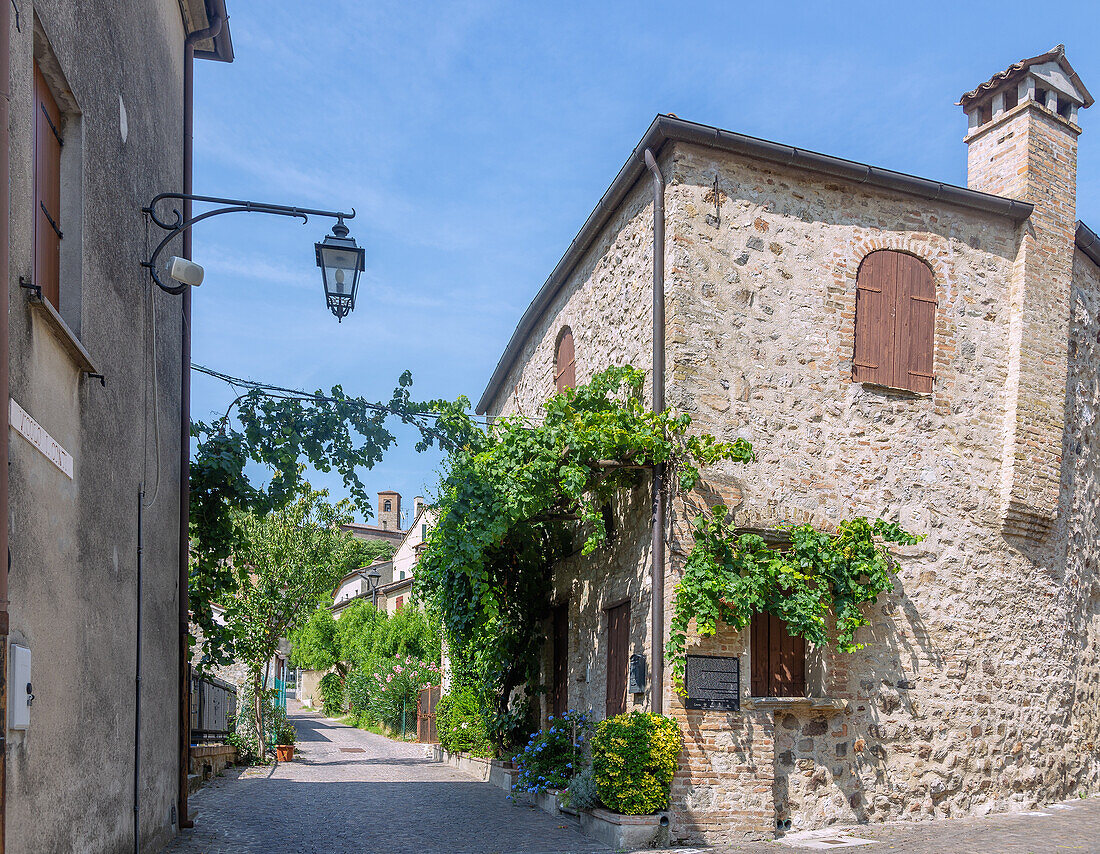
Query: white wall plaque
(33, 432)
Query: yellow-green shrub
(634, 758)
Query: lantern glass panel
(341, 269)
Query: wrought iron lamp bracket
(176, 224)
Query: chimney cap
(1056, 55)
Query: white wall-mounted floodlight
(187, 272)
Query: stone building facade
(979, 686)
(96, 97)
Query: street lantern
(373, 577)
(341, 261)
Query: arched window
(387, 506)
(565, 362)
(895, 322)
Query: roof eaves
(220, 48)
(1086, 240)
(669, 128)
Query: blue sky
(473, 139)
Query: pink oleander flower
(389, 678)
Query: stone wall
(963, 700)
(960, 701)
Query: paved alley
(353, 791)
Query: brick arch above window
(895, 321)
(565, 361)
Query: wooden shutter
(560, 692)
(916, 325)
(399, 604)
(778, 659)
(618, 642)
(47, 191)
(895, 322)
(565, 363)
(876, 292)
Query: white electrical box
(19, 688)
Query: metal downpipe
(185, 420)
(657, 567)
(5, 391)
(137, 676)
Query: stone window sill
(65, 336)
(890, 391)
(819, 705)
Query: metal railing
(213, 703)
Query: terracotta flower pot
(284, 752)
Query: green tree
(313, 643)
(363, 636)
(372, 550)
(285, 560)
(249, 460)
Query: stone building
(388, 518)
(93, 126)
(893, 346)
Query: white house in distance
(358, 584)
(395, 594)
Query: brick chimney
(1022, 143)
(389, 510)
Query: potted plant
(284, 746)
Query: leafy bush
(357, 690)
(244, 736)
(461, 724)
(581, 792)
(552, 756)
(331, 689)
(394, 688)
(633, 759)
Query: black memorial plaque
(713, 682)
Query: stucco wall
(74, 542)
(963, 700)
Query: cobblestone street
(382, 797)
(352, 791)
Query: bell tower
(389, 510)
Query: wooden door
(778, 659)
(618, 645)
(559, 696)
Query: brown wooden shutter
(875, 302)
(565, 363)
(560, 693)
(778, 659)
(760, 668)
(895, 322)
(399, 604)
(47, 191)
(618, 642)
(916, 325)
